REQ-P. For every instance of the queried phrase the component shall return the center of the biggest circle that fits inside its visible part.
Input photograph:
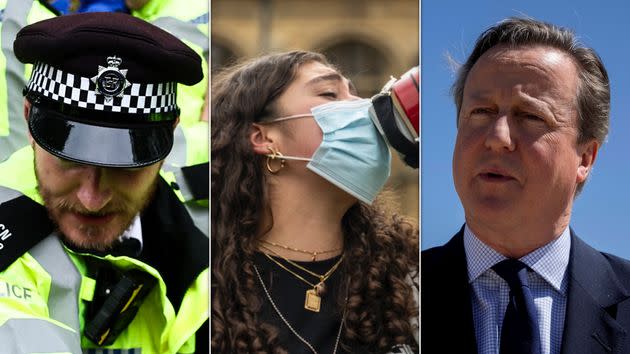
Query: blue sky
(450, 27)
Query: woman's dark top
(288, 292)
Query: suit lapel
(447, 310)
(593, 292)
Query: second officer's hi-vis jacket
(189, 23)
(54, 299)
(15, 14)
(189, 157)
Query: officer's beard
(87, 236)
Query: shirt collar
(549, 261)
(134, 231)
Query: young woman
(305, 259)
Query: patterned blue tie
(520, 332)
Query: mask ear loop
(282, 119)
(274, 154)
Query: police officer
(108, 255)
(185, 169)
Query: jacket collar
(172, 243)
(448, 301)
(594, 292)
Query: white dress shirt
(490, 293)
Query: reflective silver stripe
(184, 188)
(30, 335)
(66, 281)
(36, 335)
(7, 194)
(184, 30)
(14, 18)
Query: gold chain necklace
(312, 298)
(312, 253)
(289, 270)
(309, 345)
(296, 265)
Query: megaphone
(396, 113)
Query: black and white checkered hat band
(81, 92)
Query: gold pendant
(312, 302)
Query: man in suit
(533, 109)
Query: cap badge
(111, 81)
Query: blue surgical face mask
(353, 155)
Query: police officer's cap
(103, 87)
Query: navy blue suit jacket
(598, 301)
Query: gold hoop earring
(274, 154)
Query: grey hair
(593, 92)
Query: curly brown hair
(381, 248)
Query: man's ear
(27, 109)
(175, 123)
(260, 139)
(588, 155)
(27, 112)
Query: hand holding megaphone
(396, 114)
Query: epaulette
(23, 223)
(198, 179)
